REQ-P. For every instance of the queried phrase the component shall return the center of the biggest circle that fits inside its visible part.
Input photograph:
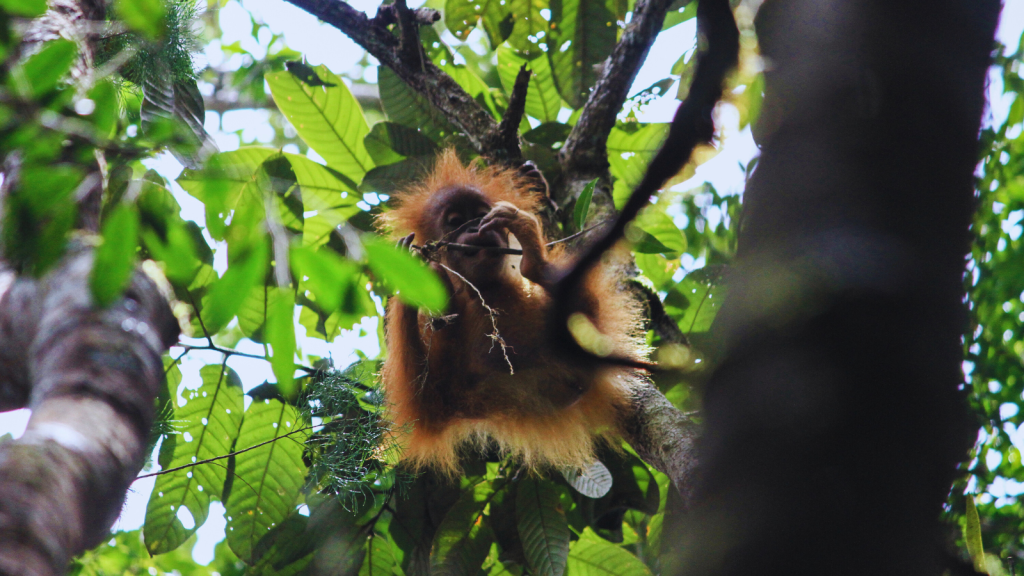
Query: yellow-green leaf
(328, 118)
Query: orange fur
(450, 389)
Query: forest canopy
(247, 166)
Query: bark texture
(90, 377)
(834, 424)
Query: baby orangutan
(485, 369)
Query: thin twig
(430, 247)
(229, 455)
(232, 352)
(495, 336)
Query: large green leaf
(529, 27)
(389, 142)
(406, 107)
(582, 34)
(543, 528)
(464, 536)
(254, 308)
(225, 297)
(228, 186)
(592, 555)
(115, 257)
(318, 228)
(26, 8)
(267, 480)
(143, 16)
(207, 425)
(325, 274)
(461, 16)
(416, 284)
(380, 558)
(654, 232)
(630, 149)
(328, 118)
(695, 301)
(542, 99)
(44, 69)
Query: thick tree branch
(419, 73)
(663, 436)
(508, 130)
(93, 376)
(585, 151)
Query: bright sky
(323, 44)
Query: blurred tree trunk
(835, 420)
(90, 375)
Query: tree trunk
(90, 377)
(836, 418)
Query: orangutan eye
(455, 220)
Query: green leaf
(323, 188)
(380, 558)
(755, 94)
(389, 142)
(147, 17)
(228, 187)
(582, 35)
(542, 99)
(417, 284)
(705, 292)
(105, 115)
(529, 26)
(408, 108)
(592, 555)
(461, 16)
(115, 258)
(972, 535)
(254, 310)
(551, 134)
(543, 528)
(328, 118)
(678, 16)
(464, 536)
(207, 423)
(24, 8)
(280, 334)
(267, 480)
(325, 274)
(630, 149)
(579, 213)
(240, 277)
(386, 179)
(657, 268)
(44, 69)
(654, 232)
(39, 216)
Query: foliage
(298, 462)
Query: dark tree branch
(692, 125)
(417, 71)
(585, 151)
(508, 130)
(409, 49)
